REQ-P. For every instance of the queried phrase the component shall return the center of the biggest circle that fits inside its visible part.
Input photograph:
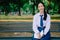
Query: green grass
(3, 17)
(25, 17)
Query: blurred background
(16, 18)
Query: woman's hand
(38, 35)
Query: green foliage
(29, 6)
(13, 7)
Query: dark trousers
(45, 37)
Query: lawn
(25, 17)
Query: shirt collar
(40, 14)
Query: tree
(5, 5)
(20, 4)
(56, 5)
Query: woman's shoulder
(36, 14)
(48, 15)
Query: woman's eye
(40, 6)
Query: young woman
(41, 24)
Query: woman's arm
(47, 25)
(37, 33)
(34, 25)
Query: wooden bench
(17, 28)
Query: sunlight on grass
(25, 17)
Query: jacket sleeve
(47, 25)
(34, 25)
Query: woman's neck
(41, 12)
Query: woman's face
(40, 7)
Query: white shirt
(36, 23)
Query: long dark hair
(45, 12)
